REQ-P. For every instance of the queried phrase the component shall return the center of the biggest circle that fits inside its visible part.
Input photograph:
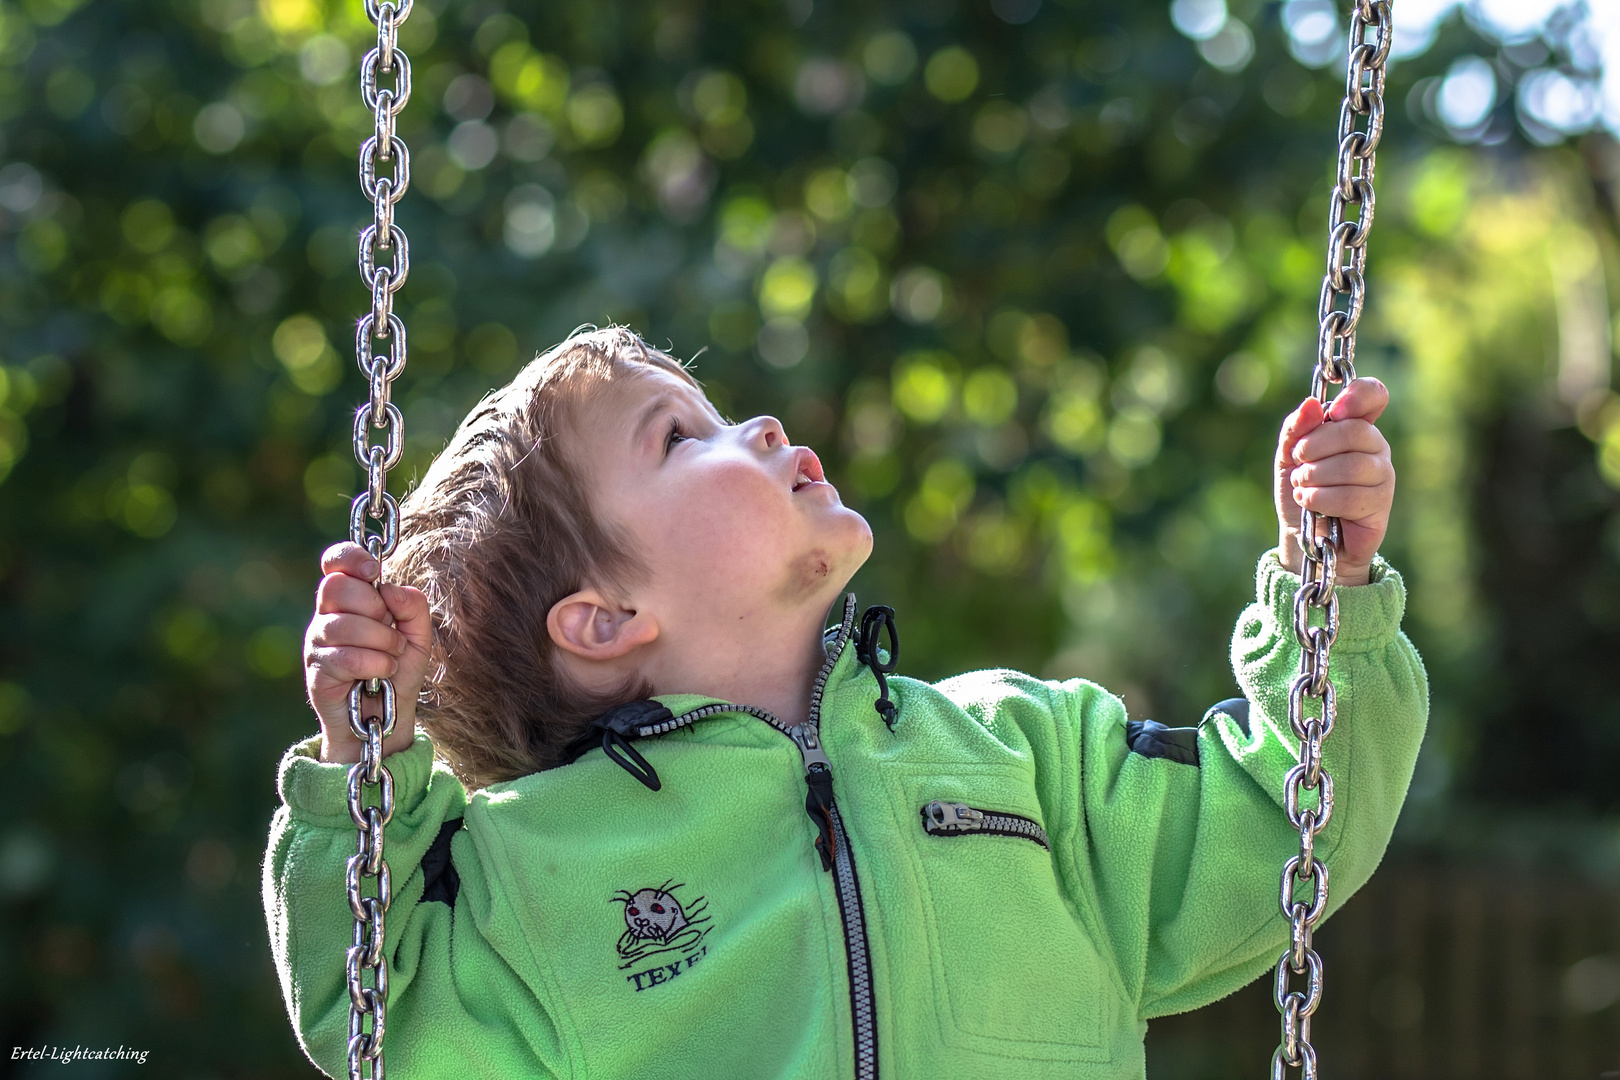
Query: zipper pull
(951, 817)
(809, 742)
(818, 799)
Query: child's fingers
(410, 611)
(1350, 469)
(349, 558)
(339, 593)
(1340, 437)
(356, 630)
(1349, 502)
(1364, 399)
(345, 663)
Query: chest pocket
(1015, 974)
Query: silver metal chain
(377, 414)
(1335, 364)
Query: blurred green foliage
(1039, 293)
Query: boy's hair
(498, 530)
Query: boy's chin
(849, 528)
(849, 542)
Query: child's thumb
(410, 611)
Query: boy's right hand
(358, 633)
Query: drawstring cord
(646, 773)
(866, 650)
(618, 726)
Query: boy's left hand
(1340, 469)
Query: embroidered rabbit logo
(656, 921)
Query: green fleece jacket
(1008, 883)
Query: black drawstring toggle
(866, 650)
(646, 774)
(618, 726)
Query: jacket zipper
(818, 777)
(942, 818)
(832, 844)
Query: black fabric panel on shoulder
(1237, 708)
(439, 873)
(1152, 739)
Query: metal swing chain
(377, 412)
(1335, 363)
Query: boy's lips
(807, 469)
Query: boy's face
(713, 507)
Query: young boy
(667, 825)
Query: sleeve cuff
(1369, 615)
(317, 791)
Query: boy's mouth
(807, 469)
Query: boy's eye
(674, 431)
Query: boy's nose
(772, 431)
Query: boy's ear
(591, 627)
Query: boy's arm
(459, 1003)
(1179, 837)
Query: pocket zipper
(942, 818)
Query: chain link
(1339, 310)
(377, 414)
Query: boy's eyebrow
(658, 402)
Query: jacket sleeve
(1179, 837)
(458, 1001)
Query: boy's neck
(771, 663)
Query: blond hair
(499, 529)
